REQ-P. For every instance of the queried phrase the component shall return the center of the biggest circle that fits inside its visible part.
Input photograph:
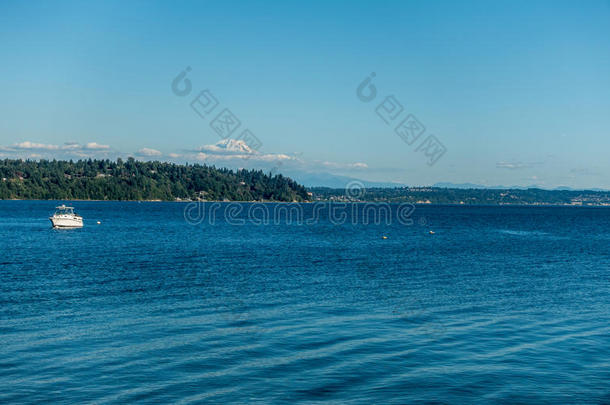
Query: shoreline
(542, 205)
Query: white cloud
(269, 157)
(147, 152)
(229, 150)
(27, 145)
(66, 151)
(516, 165)
(71, 146)
(335, 165)
(95, 146)
(232, 152)
(35, 146)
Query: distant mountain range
(479, 186)
(337, 182)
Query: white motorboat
(65, 217)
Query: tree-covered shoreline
(134, 180)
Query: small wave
(523, 233)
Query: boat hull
(59, 222)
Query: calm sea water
(501, 304)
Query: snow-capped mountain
(229, 147)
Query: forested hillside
(135, 180)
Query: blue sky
(518, 93)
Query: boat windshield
(63, 210)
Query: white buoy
(98, 222)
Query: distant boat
(65, 217)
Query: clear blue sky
(518, 92)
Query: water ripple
(493, 308)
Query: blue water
(500, 305)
